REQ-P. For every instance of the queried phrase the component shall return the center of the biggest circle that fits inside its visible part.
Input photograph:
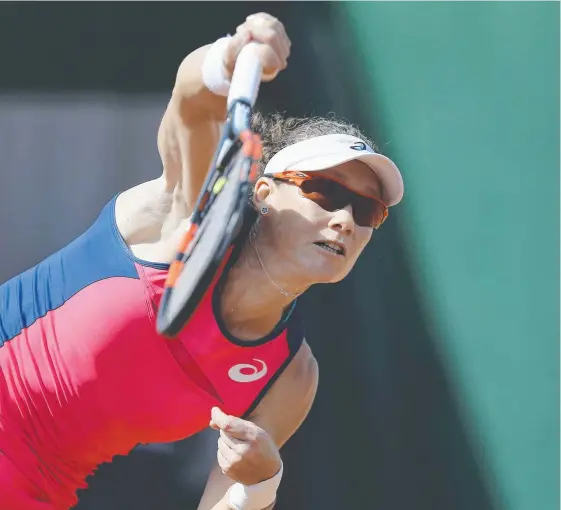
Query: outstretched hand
(274, 49)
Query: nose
(343, 221)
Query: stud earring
(264, 210)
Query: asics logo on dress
(236, 374)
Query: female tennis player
(84, 374)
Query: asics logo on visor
(236, 374)
(358, 146)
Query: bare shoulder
(148, 221)
(140, 205)
(287, 404)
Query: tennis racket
(222, 208)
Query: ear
(261, 191)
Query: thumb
(235, 45)
(218, 418)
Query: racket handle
(247, 75)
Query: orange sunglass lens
(330, 195)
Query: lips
(332, 247)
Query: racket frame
(237, 142)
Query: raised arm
(248, 450)
(190, 128)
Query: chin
(324, 274)
(341, 275)
(320, 269)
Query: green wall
(465, 96)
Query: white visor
(327, 151)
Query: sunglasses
(368, 211)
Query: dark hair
(278, 131)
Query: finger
(228, 453)
(285, 45)
(264, 20)
(242, 28)
(268, 30)
(219, 417)
(282, 30)
(241, 38)
(269, 37)
(271, 34)
(283, 38)
(231, 441)
(235, 45)
(222, 462)
(234, 427)
(282, 46)
(223, 447)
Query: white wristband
(255, 497)
(213, 70)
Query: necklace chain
(281, 290)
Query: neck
(251, 302)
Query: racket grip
(247, 75)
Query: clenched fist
(246, 453)
(274, 49)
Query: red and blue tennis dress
(84, 376)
